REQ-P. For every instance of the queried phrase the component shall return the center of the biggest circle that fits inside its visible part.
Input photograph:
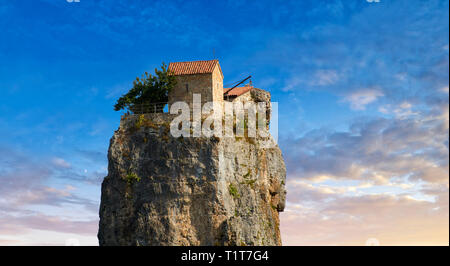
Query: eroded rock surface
(162, 190)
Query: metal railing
(148, 108)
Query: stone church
(206, 78)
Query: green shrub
(131, 177)
(247, 175)
(148, 89)
(250, 182)
(142, 121)
(233, 191)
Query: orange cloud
(322, 218)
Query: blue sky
(363, 107)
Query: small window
(187, 87)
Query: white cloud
(30, 203)
(117, 90)
(401, 111)
(405, 105)
(377, 150)
(359, 99)
(385, 178)
(318, 217)
(292, 84)
(61, 163)
(401, 76)
(321, 78)
(383, 109)
(325, 77)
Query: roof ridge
(217, 60)
(237, 91)
(193, 67)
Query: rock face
(162, 190)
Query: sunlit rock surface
(162, 190)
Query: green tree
(148, 89)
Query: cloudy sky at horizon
(363, 93)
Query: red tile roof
(238, 91)
(193, 67)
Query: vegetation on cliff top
(148, 89)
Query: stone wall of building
(246, 97)
(197, 83)
(217, 80)
(210, 86)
